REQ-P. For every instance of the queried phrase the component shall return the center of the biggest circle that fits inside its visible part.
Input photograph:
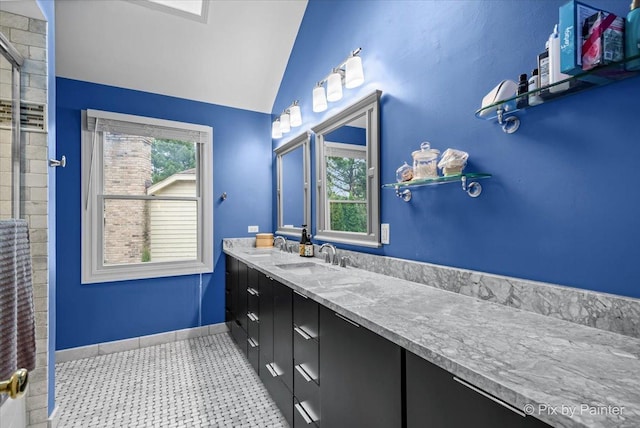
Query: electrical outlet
(384, 233)
(253, 229)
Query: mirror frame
(302, 140)
(368, 106)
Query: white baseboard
(104, 348)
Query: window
(147, 197)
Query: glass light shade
(285, 124)
(295, 116)
(319, 99)
(334, 87)
(354, 76)
(276, 132)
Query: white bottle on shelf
(554, 64)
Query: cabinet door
(360, 376)
(266, 325)
(241, 313)
(435, 399)
(231, 285)
(283, 332)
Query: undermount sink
(303, 267)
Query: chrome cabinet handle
(346, 319)
(490, 397)
(252, 291)
(303, 413)
(271, 370)
(252, 316)
(301, 332)
(303, 373)
(252, 342)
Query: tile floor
(200, 382)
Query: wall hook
(62, 162)
(223, 197)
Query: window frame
(92, 264)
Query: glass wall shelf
(473, 188)
(504, 110)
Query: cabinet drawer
(254, 330)
(227, 298)
(253, 302)
(304, 415)
(306, 354)
(307, 392)
(239, 336)
(253, 353)
(305, 314)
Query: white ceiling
(237, 58)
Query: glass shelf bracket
(468, 182)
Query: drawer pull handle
(300, 294)
(252, 291)
(301, 332)
(347, 320)
(252, 316)
(252, 342)
(271, 370)
(490, 397)
(303, 373)
(303, 413)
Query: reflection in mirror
(293, 176)
(348, 175)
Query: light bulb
(295, 115)
(334, 87)
(319, 99)
(276, 132)
(354, 76)
(285, 124)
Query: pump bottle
(554, 64)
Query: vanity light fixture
(290, 118)
(349, 72)
(276, 132)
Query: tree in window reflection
(169, 157)
(346, 192)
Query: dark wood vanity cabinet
(236, 275)
(436, 398)
(360, 375)
(306, 358)
(276, 343)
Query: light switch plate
(253, 229)
(384, 233)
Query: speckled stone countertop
(565, 374)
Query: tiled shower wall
(28, 36)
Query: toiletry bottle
(308, 247)
(554, 64)
(523, 87)
(543, 69)
(303, 240)
(632, 36)
(534, 83)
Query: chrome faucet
(344, 260)
(329, 258)
(283, 242)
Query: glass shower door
(10, 62)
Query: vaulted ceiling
(236, 58)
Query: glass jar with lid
(425, 161)
(404, 173)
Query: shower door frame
(15, 59)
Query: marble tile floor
(199, 382)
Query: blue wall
(562, 205)
(48, 10)
(95, 313)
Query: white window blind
(341, 150)
(118, 123)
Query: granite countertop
(565, 374)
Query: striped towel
(17, 326)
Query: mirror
(293, 177)
(347, 167)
